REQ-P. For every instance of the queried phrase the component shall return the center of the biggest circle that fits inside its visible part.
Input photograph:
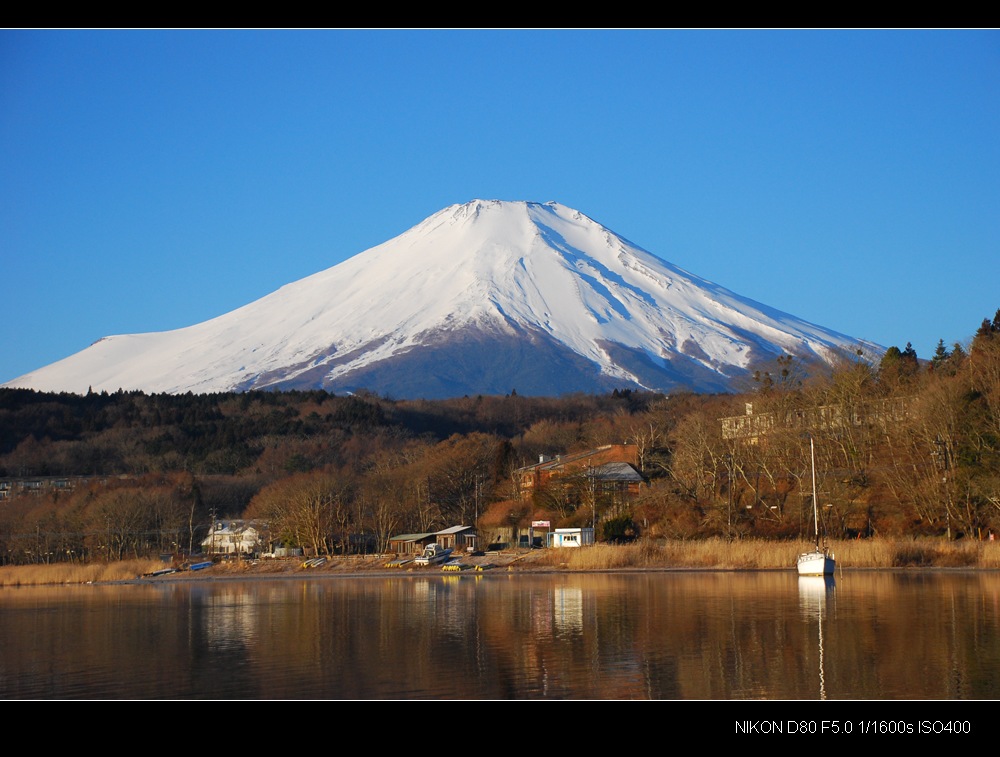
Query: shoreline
(713, 555)
(188, 578)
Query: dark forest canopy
(45, 434)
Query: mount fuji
(480, 298)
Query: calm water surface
(683, 636)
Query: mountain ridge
(479, 298)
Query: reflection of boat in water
(432, 555)
(819, 561)
(814, 591)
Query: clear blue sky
(150, 180)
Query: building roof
(617, 472)
(560, 461)
(247, 531)
(234, 526)
(411, 537)
(454, 530)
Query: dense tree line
(904, 446)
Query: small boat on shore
(164, 572)
(433, 554)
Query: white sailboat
(819, 561)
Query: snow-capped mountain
(481, 298)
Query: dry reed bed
(74, 573)
(748, 554)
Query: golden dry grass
(602, 557)
(752, 554)
(708, 554)
(74, 573)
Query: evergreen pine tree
(941, 355)
(957, 358)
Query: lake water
(649, 636)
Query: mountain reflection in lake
(691, 636)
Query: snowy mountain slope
(483, 297)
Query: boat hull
(433, 555)
(816, 564)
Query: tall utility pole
(729, 487)
(479, 486)
(213, 529)
(592, 487)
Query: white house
(571, 537)
(232, 537)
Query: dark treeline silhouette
(45, 434)
(904, 446)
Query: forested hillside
(904, 446)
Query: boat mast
(812, 457)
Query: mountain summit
(481, 298)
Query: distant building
(410, 544)
(613, 467)
(41, 484)
(456, 538)
(459, 538)
(750, 426)
(234, 537)
(570, 537)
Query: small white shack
(570, 537)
